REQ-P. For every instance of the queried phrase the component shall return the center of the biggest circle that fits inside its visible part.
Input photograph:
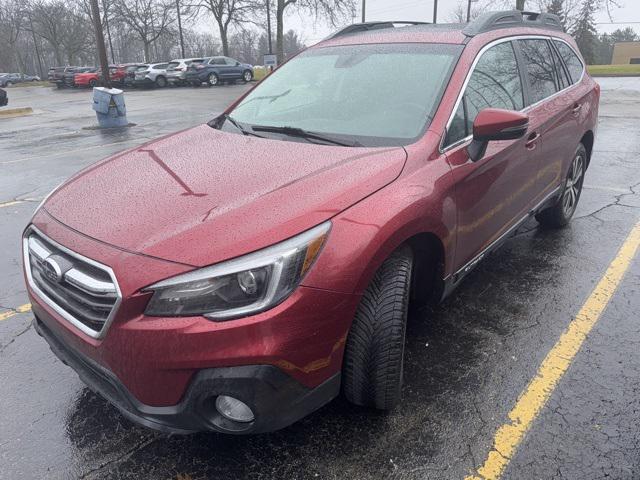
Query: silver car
(154, 74)
(177, 70)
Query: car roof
(487, 27)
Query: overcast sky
(422, 10)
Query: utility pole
(180, 29)
(468, 11)
(364, 11)
(269, 27)
(520, 5)
(435, 11)
(102, 51)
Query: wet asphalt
(467, 359)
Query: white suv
(154, 74)
(177, 70)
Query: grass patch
(614, 70)
(30, 84)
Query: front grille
(82, 290)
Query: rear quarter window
(571, 60)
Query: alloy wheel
(573, 186)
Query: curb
(16, 112)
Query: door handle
(576, 108)
(532, 140)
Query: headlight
(243, 286)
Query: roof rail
(512, 18)
(367, 26)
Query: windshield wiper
(217, 123)
(301, 133)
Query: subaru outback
(241, 284)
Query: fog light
(233, 409)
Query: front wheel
(161, 82)
(560, 213)
(93, 83)
(374, 351)
(247, 76)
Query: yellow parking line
(15, 311)
(509, 436)
(12, 202)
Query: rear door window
(571, 60)
(540, 68)
(494, 83)
(563, 79)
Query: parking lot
(467, 361)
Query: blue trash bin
(109, 106)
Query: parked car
(177, 70)
(56, 75)
(130, 73)
(4, 99)
(154, 74)
(216, 70)
(238, 275)
(9, 79)
(70, 75)
(117, 74)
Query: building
(625, 53)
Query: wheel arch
(587, 140)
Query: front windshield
(375, 95)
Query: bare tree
(11, 25)
(149, 19)
(228, 13)
(332, 11)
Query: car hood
(202, 196)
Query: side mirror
(237, 64)
(495, 124)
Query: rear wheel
(374, 352)
(560, 213)
(213, 80)
(161, 82)
(9, 84)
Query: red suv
(238, 275)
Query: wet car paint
(467, 361)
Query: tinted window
(494, 83)
(217, 61)
(354, 92)
(571, 60)
(173, 64)
(231, 61)
(540, 69)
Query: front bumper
(157, 361)
(276, 399)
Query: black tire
(213, 80)
(92, 83)
(559, 214)
(374, 351)
(247, 76)
(161, 82)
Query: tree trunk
(224, 40)
(520, 5)
(280, 31)
(147, 51)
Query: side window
(494, 83)
(217, 61)
(540, 69)
(571, 60)
(230, 61)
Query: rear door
(552, 126)
(495, 192)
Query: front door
(494, 193)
